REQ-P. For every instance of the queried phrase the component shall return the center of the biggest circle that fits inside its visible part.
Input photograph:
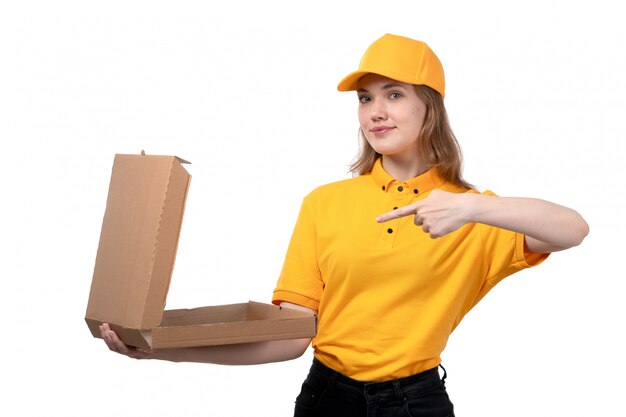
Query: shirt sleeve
(300, 280)
(505, 253)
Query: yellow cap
(401, 59)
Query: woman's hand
(115, 344)
(438, 214)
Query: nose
(378, 110)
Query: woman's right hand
(115, 344)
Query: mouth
(381, 130)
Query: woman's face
(391, 115)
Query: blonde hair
(436, 144)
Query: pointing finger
(396, 214)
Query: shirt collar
(427, 181)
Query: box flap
(138, 241)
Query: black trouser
(327, 393)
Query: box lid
(138, 241)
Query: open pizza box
(135, 261)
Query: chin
(386, 151)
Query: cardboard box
(135, 261)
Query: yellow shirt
(387, 295)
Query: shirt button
(383, 188)
(389, 231)
(400, 188)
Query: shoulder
(340, 188)
(453, 188)
(340, 195)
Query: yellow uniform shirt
(387, 295)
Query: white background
(246, 91)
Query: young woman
(392, 259)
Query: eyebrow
(385, 87)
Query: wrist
(473, 206)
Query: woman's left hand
(438, 214)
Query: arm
(548, 227)
(239, 354)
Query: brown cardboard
(135, 261)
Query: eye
(363, 99)
(395, 96)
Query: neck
(403, 169)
